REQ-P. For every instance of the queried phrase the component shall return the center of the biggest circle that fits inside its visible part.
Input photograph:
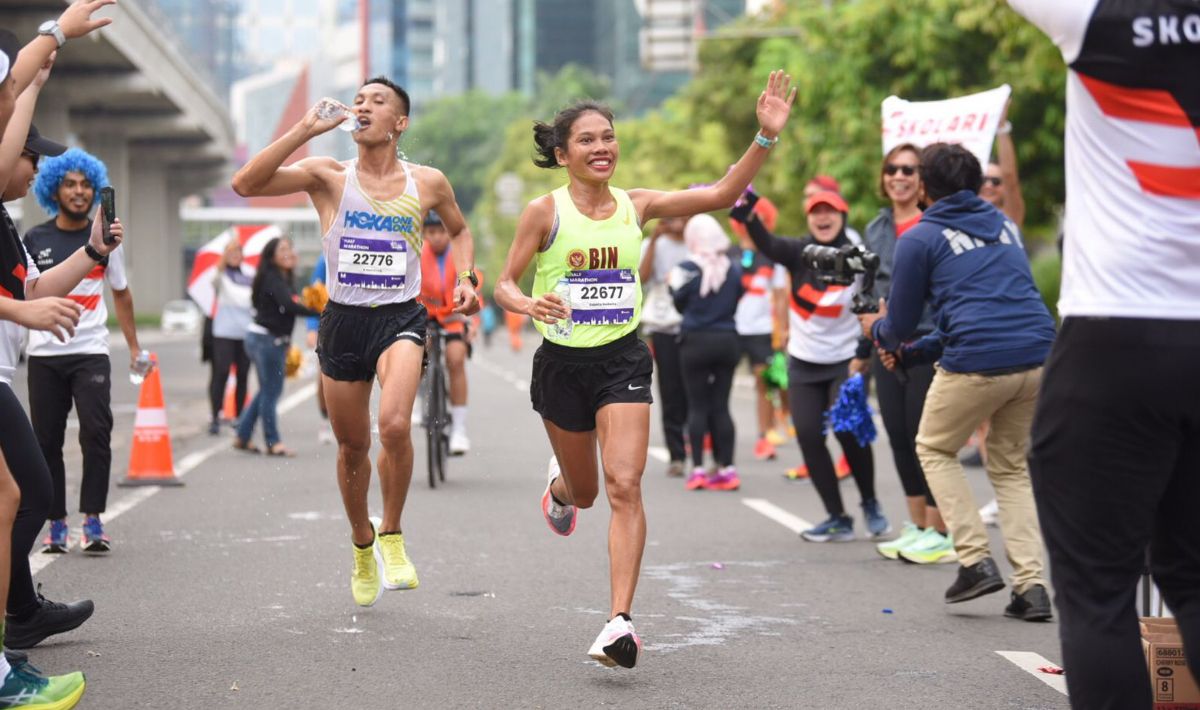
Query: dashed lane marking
(1030, 663)
(39, 561)
(791, 522)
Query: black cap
(433, 219)
(10, 47)
(35, 143)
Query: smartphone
(108, 205)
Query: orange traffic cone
(150, 462)
(229, 406)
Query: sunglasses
(892, 169)
(993, 181)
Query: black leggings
(29, 470)
(900, 406)
(709, 359)
(810, 401)
(228, 352)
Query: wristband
(91, 252)
(765, 142)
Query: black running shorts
(351, 338)
(757, 348)
(570, 384)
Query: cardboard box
(1174, 686)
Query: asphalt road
(233, 591)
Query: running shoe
(930, 548)
(775, 438)
(725, 479)
(877, 522)
(698, 481)
(799, 473)
(975, 581)
(94, 540)
(617, 645)
(58, 540)
(560, 518)
(973, 459)
(325, 434)
(398, 570)
(459, 443)
(764, 450)
(675, 469)
(26, 687)
(365, 583)
(838, 528)
(842, 468)
(891, 549)
(48, 619)
(990, 514)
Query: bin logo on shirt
(576, 259)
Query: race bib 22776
(372, 263)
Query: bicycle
(435, 417)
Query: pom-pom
(852, 413)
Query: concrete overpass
(129, 94)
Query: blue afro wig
(51, 172)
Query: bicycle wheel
(433, 431)
(444, 439)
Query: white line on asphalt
(779, 515)
(1030, 663)
(659, 453)
(39, 561)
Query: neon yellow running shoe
(398, 570)
(891, 549)
(25, 687)
(365, 583)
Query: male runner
(371, 211)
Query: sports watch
(50, 28)
(469, 276)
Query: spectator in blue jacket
(993, 334)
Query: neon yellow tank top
(599, 259)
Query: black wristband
(91, 251)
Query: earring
(390, 136)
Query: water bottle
(563, 328)
(329, 110)
(140, 368)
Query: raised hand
(318, 125)
(97, 237)
(76, 20)
(775, 103)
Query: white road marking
(659, 453)
(39, 561)
(779, 515)
(1030, 663)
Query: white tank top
(373, 247)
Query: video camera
(840, 266)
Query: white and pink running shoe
(617, 645)
(560, 518)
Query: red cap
(827, 197)
(826, 182)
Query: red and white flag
(204, 269)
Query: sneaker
(1033, 604)
(459, 443)
(58, 540)
(775, 438)
(990, 514)
(675, 469)
(930, 548)
(838, 528)
(764, 450)
(975, 581)
(891, 549)
(25, 687)
(94, 540)
(799, 473)
(698, 481)
(617, 645)
(50, 618)
(973, 459)
(842, 469)
(560, 518)
(724, 480)
(398, 570)
(877, 523)
(214, 427)
(365, 583)
(325, 434)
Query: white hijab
(707, 245)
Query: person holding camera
(824, 349)
(993, 334)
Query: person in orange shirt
(438, 279)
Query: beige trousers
(956, 405)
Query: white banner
(969, 120)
